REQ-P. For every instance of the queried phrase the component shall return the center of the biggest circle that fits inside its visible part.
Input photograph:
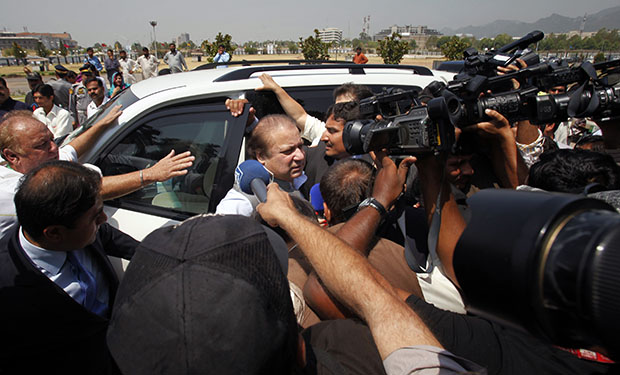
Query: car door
(208, 131)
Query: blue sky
(245, 20)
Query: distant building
(7, 40)
(182, 38)
(418, 33)
(330, 34)
(51, 41)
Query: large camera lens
(354, 134)
(545, 262)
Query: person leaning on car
(26, 142)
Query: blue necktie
(88, 284)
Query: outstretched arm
(170, 166)
(290, 105)
(349, 276)
(86, 140)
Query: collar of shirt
(300, 181)
(50, 261)
(53, 112)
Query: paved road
(19, 86)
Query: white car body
(173, 90)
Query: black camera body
(409, 128)
(422, 130)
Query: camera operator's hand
(390, 179)
(497, 127)
(501, 70)
(507, 162)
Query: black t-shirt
(500, 349)
(344, 346)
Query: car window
(125, 98)
(203, 130)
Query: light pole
(154, 23)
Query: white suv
(186, 111)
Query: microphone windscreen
(248, 171)
(316, 199)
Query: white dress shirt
(58, 120)
(92, 107)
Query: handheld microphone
(252, 178)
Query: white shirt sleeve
(62, 124)
(67, 153)
(313, 129)
(235, 203)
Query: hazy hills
(608, 18)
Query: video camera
(547, 263)
(429, 129)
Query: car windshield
(124, 98)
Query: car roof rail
(305, 65)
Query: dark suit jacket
(41, 327)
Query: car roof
(233, 80)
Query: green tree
(17, 51)
(431, 42)
(413, 44)
(293, 47)
(118, 46)
(453, 49)
(41, 50)
(599, 57)
(392, 49)
(211, 48)
(251, 50)
(443, 40)
(136, 47)
(364, 37)
(313, 47)
(501, 40)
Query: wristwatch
(372, 202)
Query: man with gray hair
(276, 144)
(25, 143)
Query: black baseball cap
(209, 296)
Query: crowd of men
(345, 268)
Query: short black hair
(570, 171)
(45, 90)
(221, 45)
(358, 92)
(110, 50)
(345, 185)
(89, 49)
(145, 49)
(55, 193)
(93, 79)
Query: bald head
(25, 142)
